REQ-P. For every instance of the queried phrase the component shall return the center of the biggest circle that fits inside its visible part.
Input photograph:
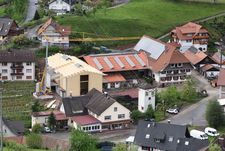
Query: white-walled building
(95, 111)
(54, 34)
(168, 65)
(146, 97)
(17, 65)
(59, 6)
(191, 34)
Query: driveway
(31, 10)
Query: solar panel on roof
(97, 64)
(119, 62)
(108, 62)
(139, 60)
(129, 61)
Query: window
(4, 71)
(28, 63)
(188, 70)
(115, 109)
(168, 72)
(108, 117)
(179, 65)
(182, 71)
(83, 84)
(149, 98)
(172, 65)
(146, 93)
(28, 77)
(175, 78)
(157, 140)
(4, 63)
(4, 78)
(121, 116)
(28, 70)
(19, 77)
(163, 72)
(153, 93)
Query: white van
(198, 134)
(211, 131)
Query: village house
(70, 76)
(59, 6)
(204, 64)
(191, 34)
(95, 112)
(120, 69)
(41, 118)
(219, 58)
(12, 128)
(17, 65)
(9, 28)
(165, 136)
(168, 65)
(51, 33)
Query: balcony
(17, 67)
(15, 74)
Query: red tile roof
(58, 115)
(221, 78)
(195, 57)
(169, 56)
(208, 67)
(122, 57)
(114, 77)
(85, 120)
(189, 28)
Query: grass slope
(152, 17)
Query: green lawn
(151, 17)
(17, 99)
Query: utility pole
(1, 120)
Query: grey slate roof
(5, 25)
(191, 144)
(95, 101)
(16, 127)
(161, 131)
(99, 102)
(17, 56)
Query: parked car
(173, 110)
(198, 134)
(211, 131)
(47, 130)
(203, 93)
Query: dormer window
(147, 136)
(170, 139)
(157, 140)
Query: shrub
(136, 115)
(36, 128)
(13, 146)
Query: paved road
(31, 10)
(195, 114)
(197, 21)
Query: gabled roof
(221, 78)
(191, 144)
(147, 132)
(209, 67)
(5, 25)
(94, 100)
(67, 65)
(118, 61)
(189, 28)
(152, 46)
(17, 56)
(16, 127)
(195, 57)
(217, 57)
(63, 30)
